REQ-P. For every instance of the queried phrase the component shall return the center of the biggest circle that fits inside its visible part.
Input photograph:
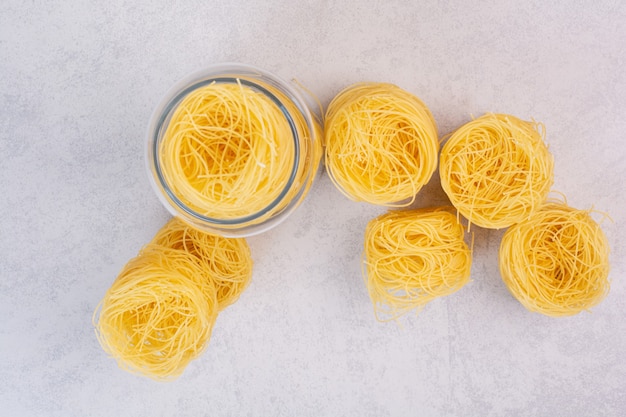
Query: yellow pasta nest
(412, 257)
(231, 151)
(557, 262)
(381, 144)
(155, 319)
(496, 170)
(159, 313)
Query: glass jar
(203, 158)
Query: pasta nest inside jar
(496, 170)
(412, 257)
(230, 151)
(381, 144)
(557, 262)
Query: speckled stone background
(78, 82)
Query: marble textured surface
(78, 82)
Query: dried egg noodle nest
(496, 170)
(155, 319)
(229, 152)
(557, 262)
(159, 313)
(381, 144)
(412, 257)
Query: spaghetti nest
(557, 262)
(412, 257)
(159, 313)
(381, 144)
(154, 319)
(496, 170)
(230, 151)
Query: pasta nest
(412, 257)
(496, 170)
(381, 144)
(557, 262)
(159, 313)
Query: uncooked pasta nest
(154, 319)
(557, 262)
(231, 152)
(412, 257)
(159, 313)
(381, 144)
(496, 170)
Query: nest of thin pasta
(159, 313)
(231, 151)
(496, 170)
(557, 262)
(381, 144)
(412, 257)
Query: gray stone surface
(78, 82)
